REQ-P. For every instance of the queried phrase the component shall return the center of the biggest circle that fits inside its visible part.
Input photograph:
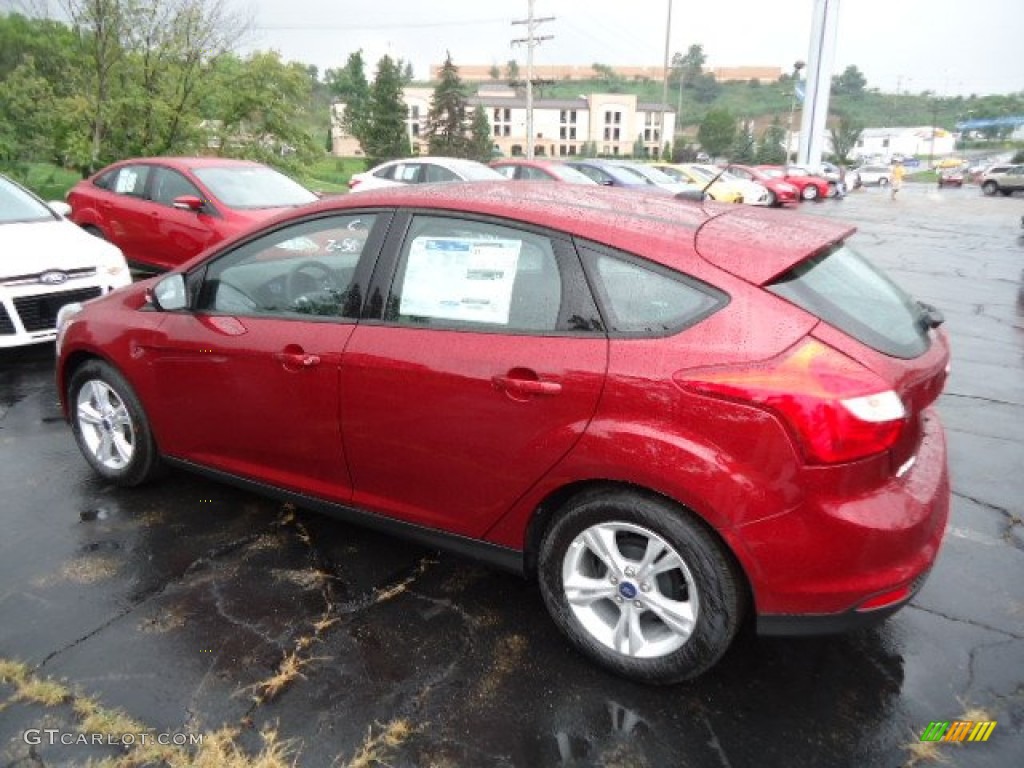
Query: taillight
(837, 409)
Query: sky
(948, 47)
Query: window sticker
(127, 181)
(465, 279)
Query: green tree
(387, 137)
(26, 117)
(350, 86)
(850, 83)
(743, 149)
(692, 65)
(611, 81)
(494, 72)
(706, 88)
(717, 131)
(845, 135)
(512, 70)
(446, 122)
(770, 150)
(480, 143)
(639, 150)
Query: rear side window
(640, 298)
(846, 291)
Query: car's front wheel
(109, 425)
(773, 199)
(640, 586)
(810, 192)
(883, 182)
(989, 188)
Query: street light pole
(797, 66)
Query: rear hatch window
(844, 290)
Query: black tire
(113, 433)
(810, 192)
(1006, 192)
(773, 199)
(989, 188)
(708, 583)
(883, 182)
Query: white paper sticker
(454, 278)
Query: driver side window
(300, 271)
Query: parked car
(754, 192)
(809, 187)
(539, 170)
(873, 175)
(47, 262)
(421, 170)
(1002, 179)
(162, 211)
(950, 177)
(687, 189)
(780, 191)
(611, 174)
(723, 190)
(668, 415)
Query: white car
(422, 170)
(47, 262)
(871, 175)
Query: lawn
(48, 181)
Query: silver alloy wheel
(630, 590)
(105, 424)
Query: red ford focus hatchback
(162, 211)
(671, 416)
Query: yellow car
(721, 191)
(950, 162)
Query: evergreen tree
(350, 86)
(446, 123)
(386, 137)
(512, 70)
(480, 136)
(770, 151)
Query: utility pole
(664, 85)
(531, 41)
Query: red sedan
(781, 191)
(670, 417)
(808, 187)
(540, 170)
(163, 211)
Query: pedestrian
(841, 183)
(898, 172)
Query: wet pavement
(187, 606)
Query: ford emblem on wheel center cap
(627, 590)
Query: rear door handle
(297, 360)
(518, 386)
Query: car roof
(536, 162)
(742, 240)
(188, 162)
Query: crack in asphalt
(1012, 520)
(140, 599)
(971, 622)
(982, 399)
(972, 656)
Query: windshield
(253, 186)
(773, 173)
(17, 205)
(847, 292)
(654, 175)
(565, 173)
(471, 171)
(626, 175)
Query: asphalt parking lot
(190, 608)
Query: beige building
(479, 73)
(611, 121)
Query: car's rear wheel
(883, 182)
(810, 192)
(640, 586)
(109, 425)
(989, 188)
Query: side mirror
(188, 203)
(169, 294)
(60, 207)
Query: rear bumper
(835, 563)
